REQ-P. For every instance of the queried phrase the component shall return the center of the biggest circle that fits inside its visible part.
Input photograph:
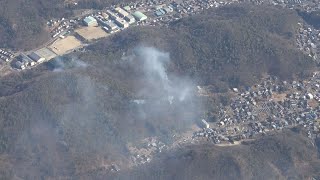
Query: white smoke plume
(60, 64)
(154, 64)
(89, 118)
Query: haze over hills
(22, 23)
(70, 117)
(287, 155)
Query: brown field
(91, 33)
(62, 46)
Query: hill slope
(283, 156)
(73, 115)
(234, 45)
(23, 23)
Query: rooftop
(89, 19)
(46, 53)
(139, 15)
(35, 56)
(127, 8)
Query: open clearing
(62, 46)
(91, 33)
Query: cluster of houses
(308, 5)
(62, 29)
(308, 40)
(148, 149)
(212, 134)
(144, 4)
(52, 22)
(5, 55)
(269, 106)
(173, 10)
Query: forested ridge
(66, 117)
(232, 46)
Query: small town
(69, 35)
(265, 108)
(271, 106)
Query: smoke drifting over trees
(77, 118)
(158, 82)
(75, 123)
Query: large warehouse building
(37, 58)
(139, 16)
(90, 21)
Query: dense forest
(68, 117)
(232, 46)
(22, 23)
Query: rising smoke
(94, 120)
(60, 64)
(165, 101)
(171, 87)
